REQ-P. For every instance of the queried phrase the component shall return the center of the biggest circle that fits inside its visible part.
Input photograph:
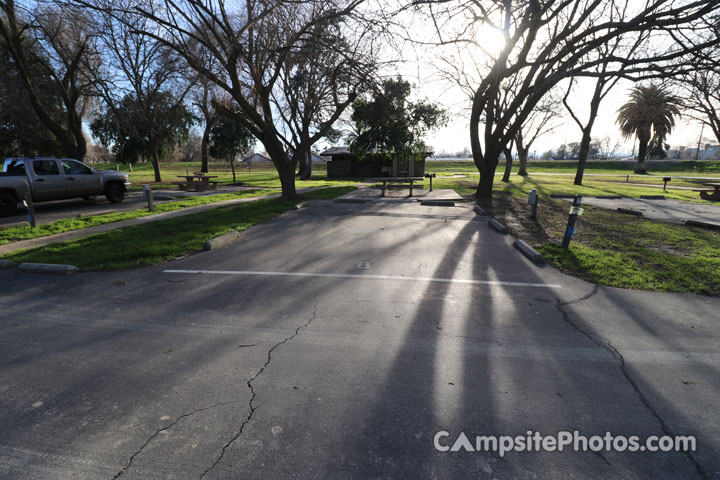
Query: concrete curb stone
(528, 251)
(221, 240)
(51, 268)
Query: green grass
(547, 186)
(162, 240)
(328, 193)
(263, 175)
(272, 180)
(644, 262)
(685, 168)
(619, 250)
(154, 242)
(25, 233)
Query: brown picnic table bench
(197, 183)
(399, 182)
(712, 194)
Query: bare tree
(543, 119)
(69, 54)
(204, 97)
(250, 46)
(317, 82)
(700, 93)
(142, 69)
(546, 42)
(603, 85)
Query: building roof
(346, 151)
(336, 151)
(257, 157)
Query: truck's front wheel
(115, 193)
(8, 205)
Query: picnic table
(712, 194)
(197, 183)
(398, 182)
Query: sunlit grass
(619, 250)
(26, 233)
(162, 240)
(547, 186)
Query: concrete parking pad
(324, 364)
(665, 210)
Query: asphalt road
(48, 212)
(405, 321)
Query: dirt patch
(669, 250)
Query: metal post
(627, 179)
(666, 179)
(430, 176)
(575, 210)
(148, 194)
(30, 209)
(533, 201)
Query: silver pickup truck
(55, 179)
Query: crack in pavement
(168, 426)
(253, 393)
(604, 343)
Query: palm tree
(649, 115)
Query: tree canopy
(229, 138)
(390, 124)
(21, 132)
(649, 114)
(135, 129)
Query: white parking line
(366, 277)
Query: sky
(418, 66)
(455, 136)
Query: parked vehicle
(56, 179)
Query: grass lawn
(262, 175)
(162, 240)
(25, 233)
(618, 250)
(548, 185)
(684, 168)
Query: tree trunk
(156, 165)
(485, 185)
(508, 165)
(284, 167)
(642, 151)
(205, 148)
(305, 161)
(582, 156)
(232, 166)
(522, 161)
(287, 182)
(308, 166)
(485, 166)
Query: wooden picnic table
(399, 182)
(712, 194)
(197, 183)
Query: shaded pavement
(334, 342)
